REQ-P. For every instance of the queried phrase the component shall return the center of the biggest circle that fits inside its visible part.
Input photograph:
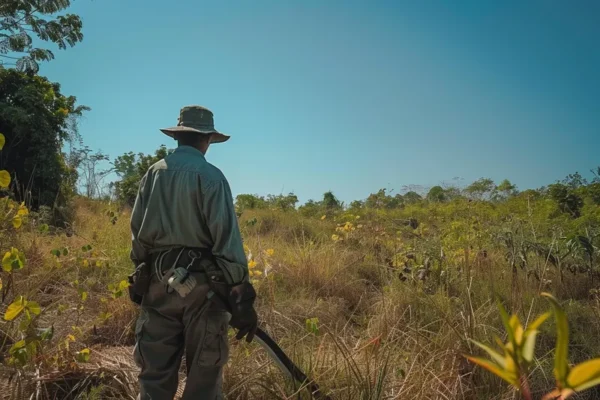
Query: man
(184, 218)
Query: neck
(201, 147)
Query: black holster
(139, 283)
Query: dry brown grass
(378, 337)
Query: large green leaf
(493, 368)
(561, 366)
(497, 357)
(585, 375)
(15, 309)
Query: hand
(243, 314)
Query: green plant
(512, 365)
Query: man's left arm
(221, 219)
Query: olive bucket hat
(196, 119)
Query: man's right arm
(138, 253)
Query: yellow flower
(86, 263)
(335, 238)
(251, 264)
(257, 273)
(270, 252)
(323, 217)
(246, 248)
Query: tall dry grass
(344, 311)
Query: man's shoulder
(213, 174)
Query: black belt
(187, 257)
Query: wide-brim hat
(199, 120)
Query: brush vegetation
(391, 297)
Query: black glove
(243, 316)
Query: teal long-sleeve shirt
(185, 201)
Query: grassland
(371, 303)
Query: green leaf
(83, 355)
(17, 221)
(561, 367)
(19, 345)
(4, 179)
(55, 252)
(507, 326)
(500, 360)
(44, 228)
(47, 334)
(123, 285)
(15, 309)
(539, 321)
(585, 375)
(7, 261)
(84, 296)
(33, 307)
(493, 368)
(65, 252)
(531, 335)
(24, 324)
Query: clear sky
(349, 96)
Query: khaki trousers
(170, 327)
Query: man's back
(184, 201)
(184, 204)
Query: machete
(284, 363)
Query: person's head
(198, 141)
(195, 128)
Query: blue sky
(349, 96)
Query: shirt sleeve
(138, 252)
(221, 219)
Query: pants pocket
(139, 334)
(214, 351)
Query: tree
(436, 194)
(21, 19)
(284, 203)
(481, 188)
(91, 176)
(505, 190)
(330, 202)
(412, 197)
(35, 118)
(574, 181)
(568, 202)
(382, 200)
(249, 202)
(131, 168)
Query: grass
(353, 313)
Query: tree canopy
(36, 119)
(21, 20)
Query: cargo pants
(170, 327)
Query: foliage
(518, 354)
(481, 188)
(35, 119)
(20, 20)
(130, 168)
(436, 194)
(564, 195)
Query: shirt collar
(189, 150)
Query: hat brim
(217, 137)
